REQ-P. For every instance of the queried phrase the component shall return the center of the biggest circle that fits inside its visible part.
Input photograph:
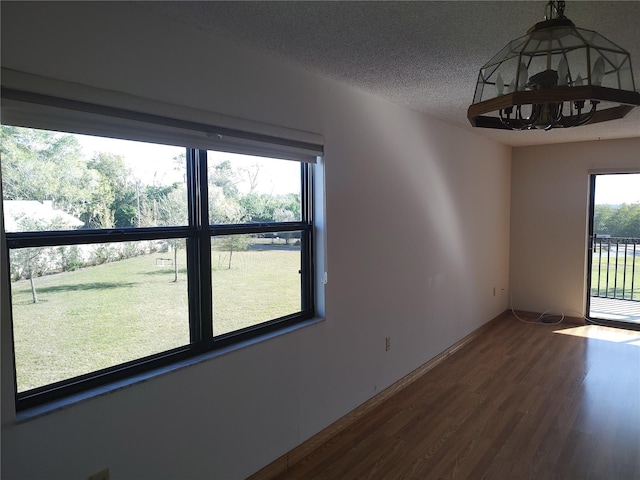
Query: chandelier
(556, 76)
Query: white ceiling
(423, 55)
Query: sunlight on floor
(617, 335)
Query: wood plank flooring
(522, 401)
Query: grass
(101, 316)
(260, 286)
(623, 276)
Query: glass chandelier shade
(557, 75)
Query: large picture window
(128, 255)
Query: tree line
(617, 220)
(103, 192)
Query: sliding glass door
(613, 295)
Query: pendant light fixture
(556, 76)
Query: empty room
(320, 240)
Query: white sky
(617, 189)
(153, 164)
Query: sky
(154, 164)
(617, 189)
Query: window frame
(198, 235)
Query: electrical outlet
(101, 475)
(494, 291)
(387, 344)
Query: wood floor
(522, 401)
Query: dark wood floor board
(334, 450)
(512, 459)
(472, 438)
(413, 469)
(429, 441)
(521, 401)
(364, 459)
(564, 402)
(543, 453)
(434, 415)
(386, 465)
(487, 445)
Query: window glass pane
(255, 279)
(60, 181)
(80, 308)
(244, 188)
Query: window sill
(71, 400)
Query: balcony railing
(615, 268)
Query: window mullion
(249, 228)
(199, 250)
(204, 248)
(195, 333)
(73, 237)
(307, 264)
(307, 193)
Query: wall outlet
(494, 291)
(387, 344)
(101, 475)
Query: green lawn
(105, 315)
(623, 276)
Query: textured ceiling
(423, 55)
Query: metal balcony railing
(615, 268)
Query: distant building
(26, 215)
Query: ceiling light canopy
(557, 75)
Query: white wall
(418, 225)
(549, 220)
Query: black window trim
(197, 236)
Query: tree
(258, 207)
(227, 204)
(264, 207)
(171, 207)
(41, 165)
(115, 192)
(234, 243)
(22, 266)
(98, 212)
(223, 176)
(284, 215)
(159, 208)
(602, 219)
(252, 175)
(627, 220)
(34, 262)
(617, 220)
(225, 210)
